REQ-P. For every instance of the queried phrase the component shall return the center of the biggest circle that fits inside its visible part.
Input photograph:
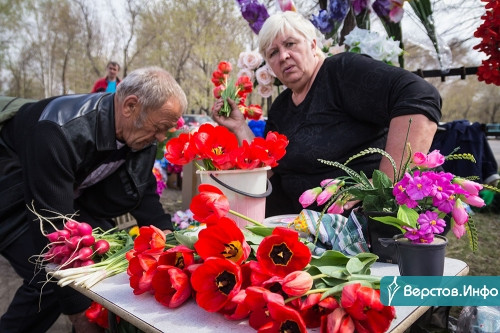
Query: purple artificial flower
(430, 220)
(338, 9)
(399, 192)
(412, 234)
(254, 13)
(419, 186)
(322, 22)
(382, 8)
(359, 6)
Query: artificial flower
(254, 13)
(171, 286)
(224, 240)
(216, 281)
(282, 252)
(373, 44)
(421, 197)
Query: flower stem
(246, 218)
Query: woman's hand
(236, 121)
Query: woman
(334, 108)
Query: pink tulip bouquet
(419, 202)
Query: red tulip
(257, 299)
(141, 269)
(224, 240)
(284, 319)
(216, 282)
(180, 256)
(337, 321)
(179, 150)
(225, 67)
(209, 205)
(297, 283)
(150, 240)
(98, 314)
(365, 308)
(171, 286)
(282, 252)
(313, 309)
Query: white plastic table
(144, 312)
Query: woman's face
(292, 58)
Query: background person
(87, 154)
(333, 108)
(108, 83)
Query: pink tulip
(309, 196)
(459, 213)
(297, 283)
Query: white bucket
(246, 191)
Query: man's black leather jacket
(50, 147)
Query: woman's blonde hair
(277, 24)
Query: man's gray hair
(277, 24)
(153, 86)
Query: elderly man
(86, 154)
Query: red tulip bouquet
(235, 90)
(218, 149)
(265, 275)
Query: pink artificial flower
(458, 230)
(419, 186)
(309, 196)
(474, 200)
(286, 5)
(429, 161)
(336, 208)
(468, 185)
(432, 221)
(459, 213)
(328, 192)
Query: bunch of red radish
(74, 246)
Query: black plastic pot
(377, 230)
(419, 259)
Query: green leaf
(187, 238)
(408, 215)
(256, 230)
(330, 258)
(390, 220)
